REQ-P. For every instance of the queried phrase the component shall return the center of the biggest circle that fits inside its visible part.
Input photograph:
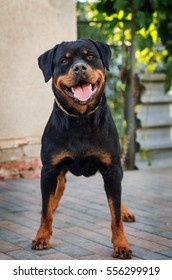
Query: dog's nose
(79, 68)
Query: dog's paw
(41, 244)
(128, 217)
(122, 253)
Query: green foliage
(168, 80)
(92, 25)
(115, 22)
(165, 25)
(110, 21)
(153, 24)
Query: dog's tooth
(72, 89)
(94, 90)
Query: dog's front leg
(112, 182)
(48, 187)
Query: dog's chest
(82, 161)
(86, 166)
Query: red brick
(25, 169)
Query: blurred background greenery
(140, 36)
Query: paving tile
(7, 246)
(150, 237)
(5, 257)
(154, 256)
(73, 250)
(167, 234)
(166, 252)
(23, 255)
(149, 245)
(57, 256)
(14, 227)
(81, 225)
(11, 236)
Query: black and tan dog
(80, 135)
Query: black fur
(88, 136)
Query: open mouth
(82, 92)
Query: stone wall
(27, 29)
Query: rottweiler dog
(80, 136)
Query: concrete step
(155, 138)
(157, 98)
(154, 159)
(155, 115)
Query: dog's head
(78, 72)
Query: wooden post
(130, 104)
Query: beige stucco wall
(27, 29)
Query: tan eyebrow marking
(67, 54)
(85, 52)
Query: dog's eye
(90, 56)
(64, 61)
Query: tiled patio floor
(81, 227)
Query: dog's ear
(104, 52)
(45, 62)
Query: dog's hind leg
(59, 190)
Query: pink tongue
(83, 92)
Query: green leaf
(140, 42)
(119, 5)
(137, 4)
